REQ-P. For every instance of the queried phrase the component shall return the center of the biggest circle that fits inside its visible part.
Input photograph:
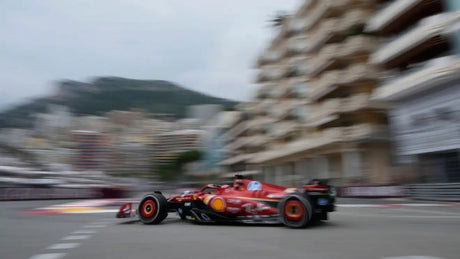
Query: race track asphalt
(354, 231)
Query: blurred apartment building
(92, 150)
(421, 57)
(132, 136)
(214, 140)
(201, 130)
(313, 116)
(120, 142)
(169, 145)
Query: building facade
(313, 116)
(92, 150)
(169, 145)
(421, 60)
(214, 141)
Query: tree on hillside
(279, 19)
(176, 168)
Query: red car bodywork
(246, 201)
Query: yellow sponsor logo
(218, 204)
(207, 198)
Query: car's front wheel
(153, 209)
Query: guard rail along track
(435, 191)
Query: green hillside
(112, 93)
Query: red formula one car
(247, 201)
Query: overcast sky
(205, 45)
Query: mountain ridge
(103, 94)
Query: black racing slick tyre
(153, 209)
(295, 211)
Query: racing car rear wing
(320, 186)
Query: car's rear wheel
(153, 209)
(295, 211)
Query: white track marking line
(95, 226)
(393, 205)
(78, 232)
(64, 246)
(412, 257)
(48, 256)
(395, 216)
(356, 205)
(444, 213)
(423, 217)
(429, 204)
(76, 237)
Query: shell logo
(218, 204)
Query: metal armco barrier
(379, 191)
(435, 191)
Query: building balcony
(287, 112)
(276, 112)
(314, 15)
(434, 73)
(325, 84)
(326, 9)
(423, 37)
(282, 129)
(324, 112)
(330, 109)
(270, 73)
(299, 89)
(259, 125)
(238, 129)
(285, 90)
(315, 141)
(257, 141)
(354, 19)
(237, 144)
(357, 46)
(336, 29)
(296, 66)
(241, 158)
(331, 80)
(302, 114)
(366, 131)
(358, 132)
(296, 45)
(360, 73)
(325, 59)
(270, 56)
(261, 108)
(244, 143)
(398, 13)
(264, 90)
(296, 25)
(359, 102)
(279, 89)
(390, 13)
(325, 33)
